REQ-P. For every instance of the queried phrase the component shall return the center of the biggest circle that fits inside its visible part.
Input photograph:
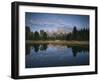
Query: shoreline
(72, 42)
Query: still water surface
(48, 55)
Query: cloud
(47, 22)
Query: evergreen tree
(27, 32)
(36, 36)
(74, 33)
(44, 35)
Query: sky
(53, 22)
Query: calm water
(48, 55)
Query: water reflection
(51, 55)
(28, 48)
(44, 47)
(36, 47)
(77, 49)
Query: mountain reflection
(44, 47)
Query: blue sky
(52, 22)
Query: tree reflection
(36, 47)
(43, 47)
(28, 48)
(77, 49)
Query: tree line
(80, 35)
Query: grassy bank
(58, 42)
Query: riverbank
(73, 42)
